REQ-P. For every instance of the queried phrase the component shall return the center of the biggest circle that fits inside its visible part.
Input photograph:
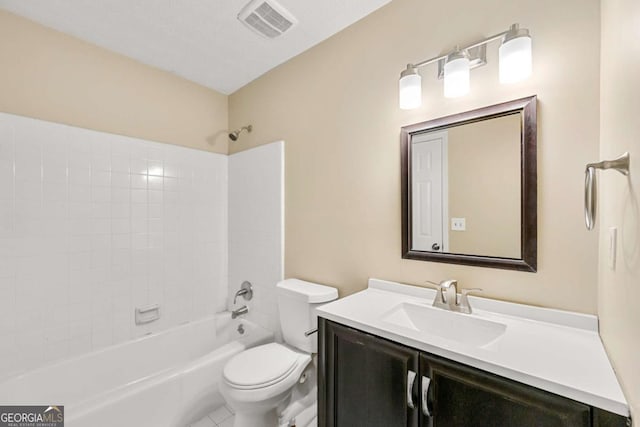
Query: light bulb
(515, 56)
(456, 75)
(410, 87)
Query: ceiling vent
(266, 18)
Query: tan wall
(484, 187)
(619, 289)
(52, 76)
(336, 107)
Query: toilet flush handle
(310, 332)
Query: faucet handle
(246, 291)
(464, 299)
(438, 288)
(432, 283)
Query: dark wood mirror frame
(528, 191)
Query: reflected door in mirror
(429, 192)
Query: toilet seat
(246, 377)
(261, 366)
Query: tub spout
(239, 312)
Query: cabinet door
(365, 381)
(460, 396)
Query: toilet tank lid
(307, 291)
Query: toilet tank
(297, 303)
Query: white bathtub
(168, 379)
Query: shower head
(234, 135)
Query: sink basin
(463, 328)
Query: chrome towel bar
(621, 164)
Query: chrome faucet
(246, 292)
(447, 296)
(239, 312)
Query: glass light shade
(456, 77)
(515, 59)
(410, 86)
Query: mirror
(469, 188)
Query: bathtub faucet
(246, 291)
(239, 312)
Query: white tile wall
(256, 228)
(93, 225)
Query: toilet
(258, 382)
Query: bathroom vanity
(387, 358)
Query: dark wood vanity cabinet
(367, 381)
(462, 396)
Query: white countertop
(557, 351)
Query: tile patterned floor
(221, 417)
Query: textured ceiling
(200, 40)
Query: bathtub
(167, 379)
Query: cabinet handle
(426, 382)
(411, 378)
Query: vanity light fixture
(515, 65)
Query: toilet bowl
(257, 383)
